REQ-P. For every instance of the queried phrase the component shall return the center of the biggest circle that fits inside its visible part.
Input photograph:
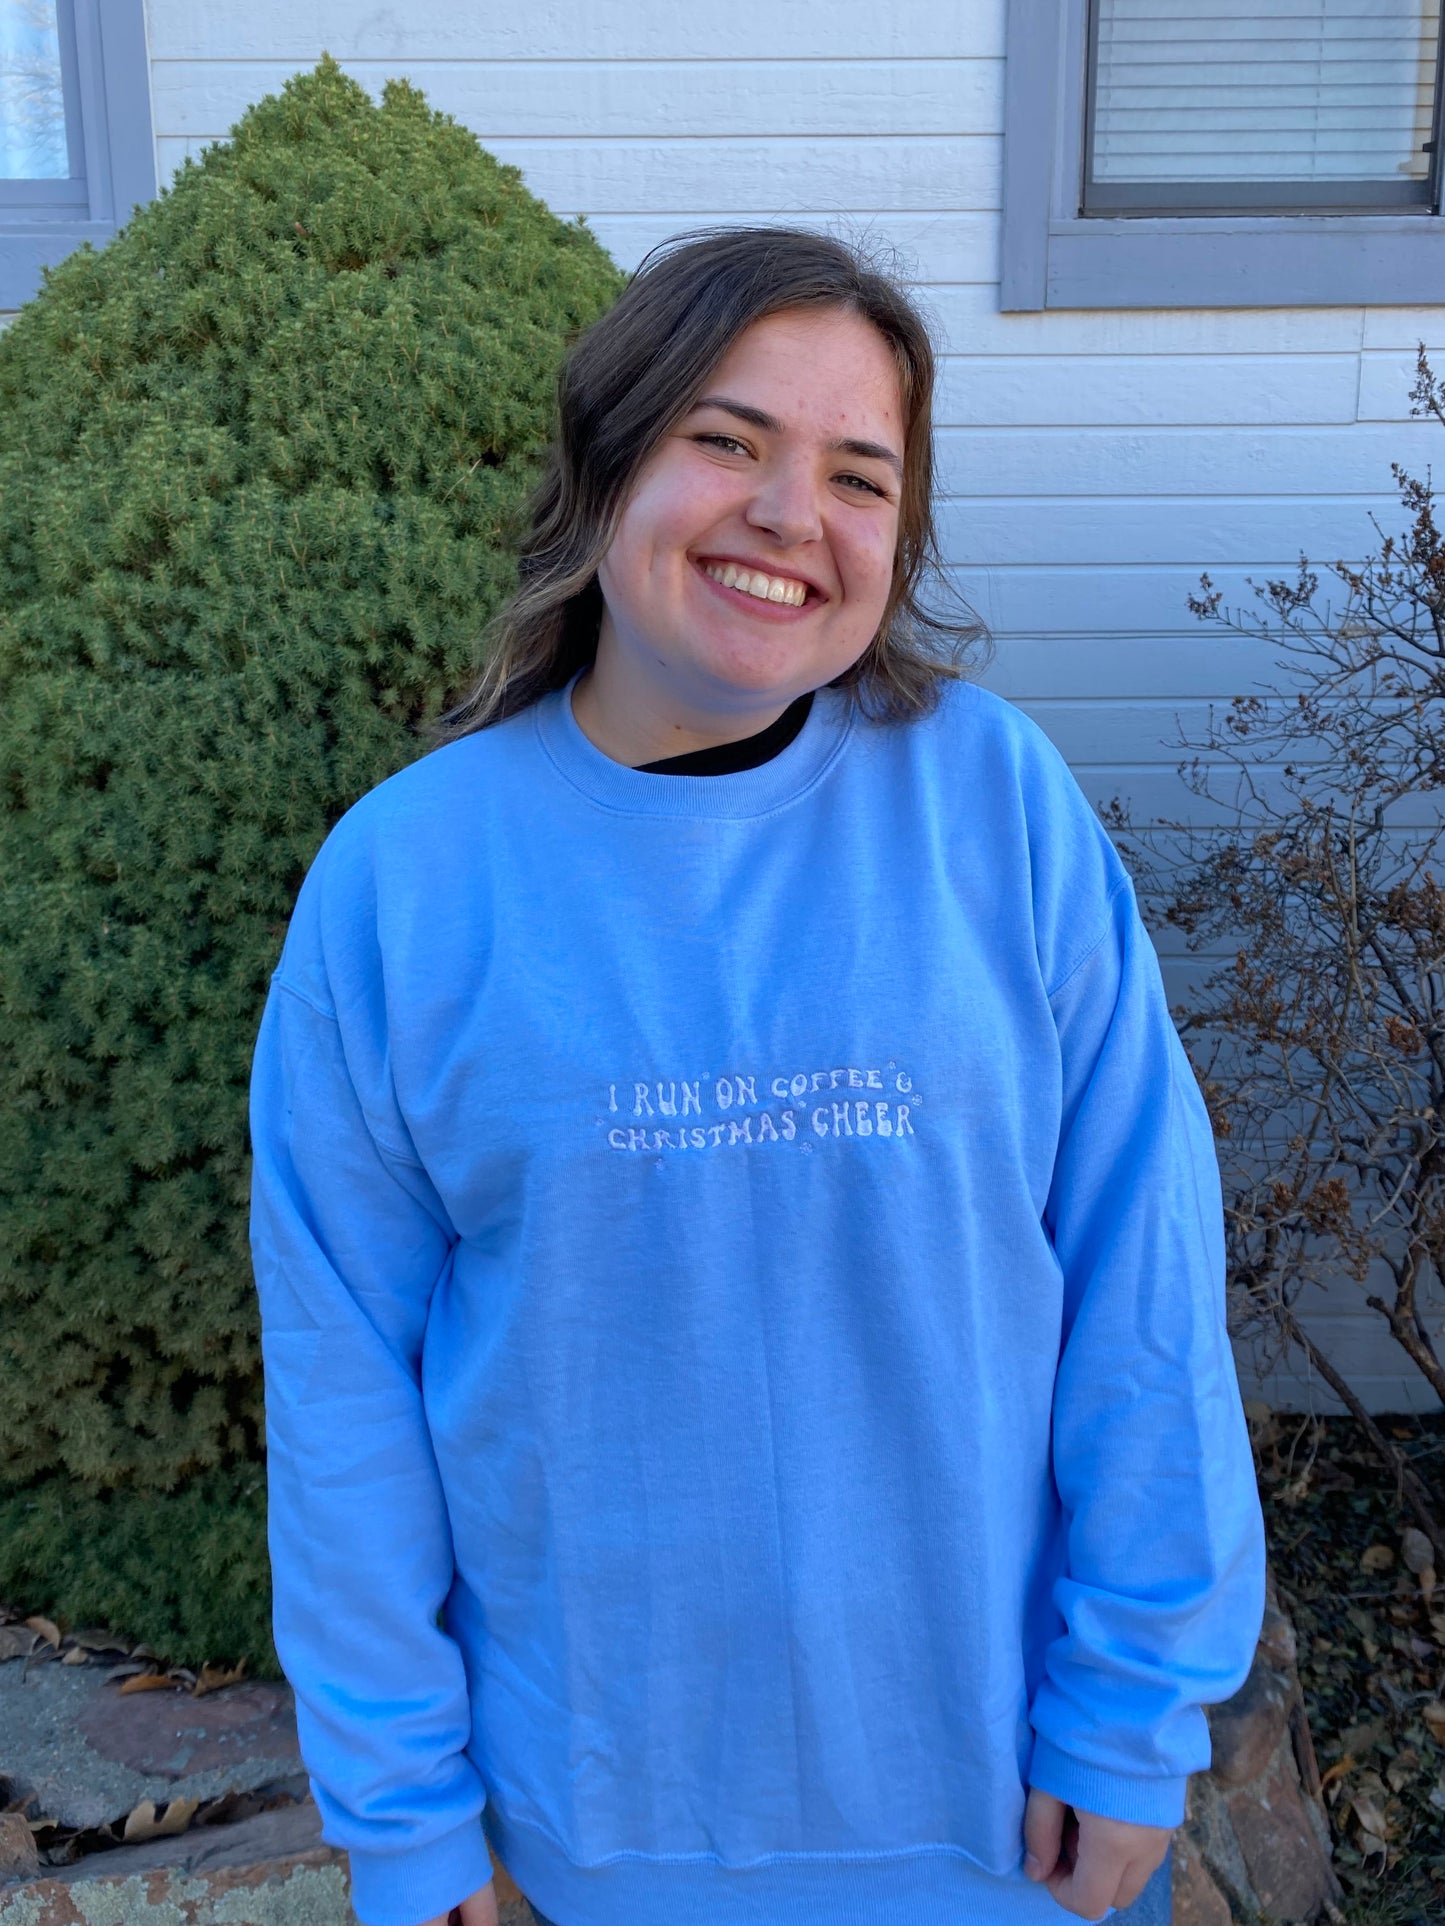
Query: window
(1223, 153)
(76, 152)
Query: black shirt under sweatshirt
(747, 753)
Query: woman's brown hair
(624, 385)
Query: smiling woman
(735, 1224)
(759, 401)
(755, 562)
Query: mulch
(1371, 1650)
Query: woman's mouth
(780, 591)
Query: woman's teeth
(767, 588)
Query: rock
(1256, 1836)
(1290, 1876)
(1245, 1731)
(91, 1753)
(1277, 1643)
(286, 1833)
(18, 1857)
(173, 1736)
(271, 1870)
(264, 1871)
(1196, 1900)
(1208, 1836)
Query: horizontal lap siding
(571, 30)
(625, 99)
(1092, 464)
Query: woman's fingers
(478, 1909)
(1089, 1863)
(481, 1908)
(1043, 1833)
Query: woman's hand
(479, 1910)
(1087, 1862)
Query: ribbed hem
(1130, 1796)
(735, 795)
(400, 1888)
(931, 1885)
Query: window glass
(32, 106)
(1306, 103)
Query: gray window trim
(113, 146)
(1053, 257)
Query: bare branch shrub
(1320, 1047)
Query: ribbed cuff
(404, 1888)
(1130, 1796)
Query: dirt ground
(1371, 1650)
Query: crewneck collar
(732, 795)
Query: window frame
(1055, 257)
(106, 68)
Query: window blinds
(1317, 93)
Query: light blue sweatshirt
(741, 1276)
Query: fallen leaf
(1416, 1549)
(77, 1655)
(1433, 1714)
(1370, 1817)
(125, 1671)
(16, 1641)
(1382, 1686)
(1377, 1558)
(147, 1682)
(47, 1629)
(178, 1815)
(1359, 1738)
(97, 1639)
(140, 1821)
(213, 1677)
(1370, 1844)
(1368, 1809)
(143, 1823)
(1427, 1583)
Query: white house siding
(1093, 462)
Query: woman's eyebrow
(759, 418)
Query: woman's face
(754, 556)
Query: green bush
(261, 462)
(188, 1573)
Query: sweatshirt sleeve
(349, 1240)
(1162, 1589)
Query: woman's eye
(730, 445)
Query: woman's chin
(757, 665)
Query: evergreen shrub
(261, 465)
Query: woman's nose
(785, 503)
